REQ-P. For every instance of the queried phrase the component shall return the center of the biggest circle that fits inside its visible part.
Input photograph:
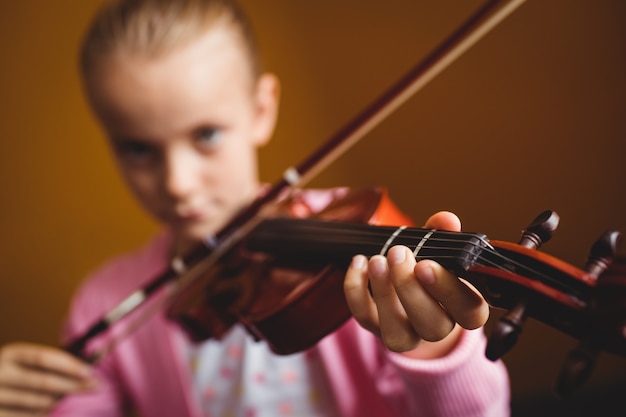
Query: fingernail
(378, 266)
(425, 273)
(358, 262)
(396, 255)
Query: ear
(267, 97)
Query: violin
(272, 272)
(588, 304)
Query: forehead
(171, 88)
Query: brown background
(531, 118)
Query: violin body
(290, 302)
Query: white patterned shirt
(239, 377)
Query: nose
(180, 173)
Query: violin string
(519, 268)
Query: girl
(179, 92)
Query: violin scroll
(589, 304)
(509, 327)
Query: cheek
(239, 166)
(143, 185)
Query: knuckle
(370, 326)
(39, 359)
(437, 332)
(476, 319)
(401, 343)
(360, 316)
(365, 319)
(351, 284)
(43, 383)
(39, 402)
(403, 279)
(40, 384)
(383, 296)
(45, 402)
(435, 335)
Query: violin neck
(302, 240)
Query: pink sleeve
(464, 383)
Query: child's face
(184, 128)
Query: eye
(135, 152)
(208, 137)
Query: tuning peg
(576, 370)
(509, 327)
(602, 253)
(580, 361)
(505, 334)
(540, 230)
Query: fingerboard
(312, 239)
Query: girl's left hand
(404, 302)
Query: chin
(198, 232)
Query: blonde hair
(152, 27)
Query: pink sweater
(148, 370)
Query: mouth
(189, 216)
